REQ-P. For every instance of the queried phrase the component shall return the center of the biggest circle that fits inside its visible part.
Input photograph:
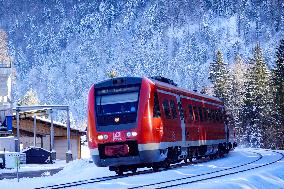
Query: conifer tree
(219, 76)
(5, 59)
(112, 74)
(30, 98)
(278, 78)
(257, 109)
(238, 73)
(278, 93)
(222, 87)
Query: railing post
(69, 152)
(18, 130)
(34, 130)
(52, 150)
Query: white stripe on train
(164, 145)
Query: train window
(190, 110)
(223, 116)
(219, 115)
(210, 115)
(156, 110)
(173, 109)
(195, 111)
(214, 115)
(181, 112)
(166, 109)
(200, 113)
(123, 103)
(205, 114)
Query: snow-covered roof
(42, 111)
(56, 123)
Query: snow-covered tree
(257, 110)
(222, 85)
(278, 93)
(112, 74)
(61, 48)
(237, 94)
(219, 77)
(5, 59)
(278, 78)
(30, 98)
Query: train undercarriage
(174, 155)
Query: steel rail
(212, 177)
(108, 178)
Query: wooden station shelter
(63, 142)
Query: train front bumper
(147, 156)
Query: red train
(150, 122)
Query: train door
(170, 117)
(194, 126)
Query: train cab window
(190, 110)
(173, 109)
(195, 111)
(200, 113)
(166, 109)
(156, 110)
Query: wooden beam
(43, 128)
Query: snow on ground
(36, 167)
(85, 152)
(271, 176)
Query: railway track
(109, 178)
(210, 175)
(94, 180)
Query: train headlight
(100, 137)
(105, 137)
(128, 134)
(134, 134)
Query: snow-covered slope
(61, 48)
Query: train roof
(160, 82)
(117, 80)
(168, 86)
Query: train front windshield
(117, 103)
(117, 106)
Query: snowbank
(271, 176)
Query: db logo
(116, 136)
